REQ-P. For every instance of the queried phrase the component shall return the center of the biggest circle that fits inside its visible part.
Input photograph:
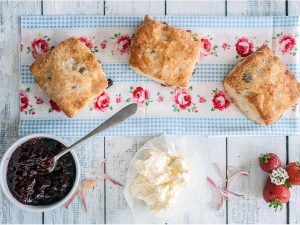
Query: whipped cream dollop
(160, 179)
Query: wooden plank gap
(226, 174)
(104, 8)
(287, 161)
(104, 182)
(42, 7)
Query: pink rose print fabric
(86, 41)
(140, 96)
(89, 42)
(121, 44)
(225, 46)
(204, 102)
(39, 46)
(182, 98)
(24, 100)
(102, 102)
(287, 43)
(160, 97)
(118, 99)
(103, 44)
(205, 48)
(244, 47)
(25, 106)
(53, 107)
(220, 100)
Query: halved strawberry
(269, 161)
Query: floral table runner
(202, 109)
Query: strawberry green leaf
(263, 158)
(276, 204)
(287, 184)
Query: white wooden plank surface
(294, 8)
(294, 144)
(9, 61)
(209, 148)
(256, 7)
(119, 150)
(114, 196)
(194, 7)
(66, 7)
(119, 154)
(92, 151)
(243, 155)
(135, 7)
(243, 151)
(294, 156)
(90, 155)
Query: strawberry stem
(263, 158)
(276, 204)
(287, 183)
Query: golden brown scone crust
(163, 53)
(70, 74)
(262, 87)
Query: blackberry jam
(25, 177)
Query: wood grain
(90, 155)
(135, 7)
(293, 8)
(9, 113)
(243, 155)
(294, 143)
(243, 151)
(119, 152)
(294, 156)
(193, 7)
(92, 152)
(67, 7)
(256, 8)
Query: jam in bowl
(24, 180)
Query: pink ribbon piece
(224, 194)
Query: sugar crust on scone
(70, 74)
(262, 87)
(164, 53)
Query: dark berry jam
(25, 177)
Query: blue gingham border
(95, 21)
(203, 73)
(155, 126)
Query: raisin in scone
(262, 87)
(164, 53)
(70, 74)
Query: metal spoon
(119, 117)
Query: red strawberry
(269, 161)
(276, 195)
(293, 170)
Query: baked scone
(163, 53)
(262, 87)
(70, 74)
